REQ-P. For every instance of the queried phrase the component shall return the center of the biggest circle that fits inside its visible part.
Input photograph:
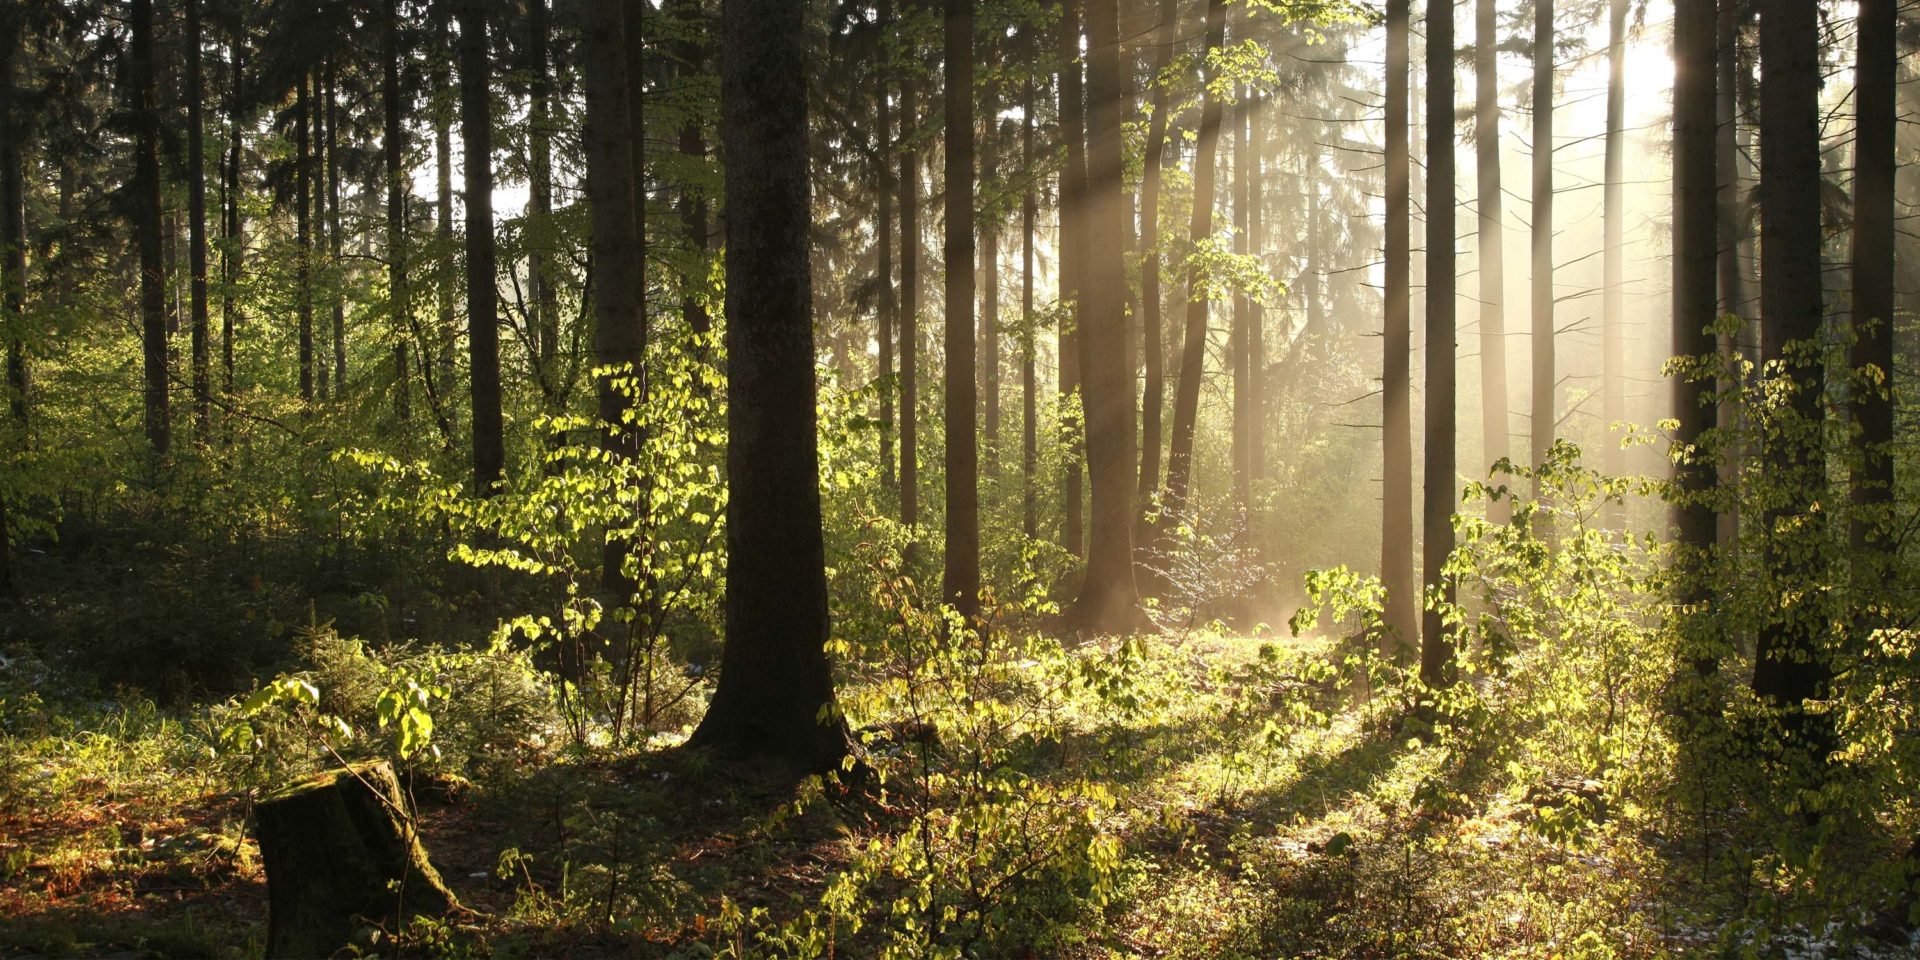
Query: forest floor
(1333, 838)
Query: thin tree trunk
(1256, 307)
(888, 308)
(483, 319)
(1545, 413)
(146, 201)
(909, 350)
(1875, 165)
(1109, 599)
(1790, 666)
(440, 384)
(233, 247)
(693, 147)
(1490, 203)
(1153, 390)
(399, 304)
(1029, 337)
(13, 261)
(1193, 354)
(1402, 617)
(540, 272)
(1073, 239)
(197, 232)
(333, 240)
(775, 696)
(990, 280)
(1239, 339)
(303, 214)
(960, 584)
(1733, 229)
(1613, 332)
(1441, 497)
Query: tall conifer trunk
(1396, 536)
(960, 583)
(1153, 389)
(202, 356)
(1440, 495)
(483, 318)
(1873, 245)
(1073, 239)
(1490, 204)
(1613, 292)
(1545, 408)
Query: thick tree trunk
(1109, 599)
(775, 698)
(1695, 238)
(1193, 353)
(483, 318)
(1545, 407)
(1153, 389)
(1873, 245)
(1790, 665)
(146, 224)
(1396, 535)
(960, 584)
(341, 854)
(202, 357)
(1490, 204)
(1073, 240)
(1440, 494)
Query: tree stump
(340, 856)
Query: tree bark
(546, 299)
(197, 231)
(888, 306)
(1545, 412)
(332, 226)
(693, 146)
(303, 230)
(960, 583)
(1029, 337)
(1240, 337)
(1490, 203)
(1073, 239)
(146, 205)
(1153, 389)
(775, 697)
(1873, 258)
(1402, 615)
(1436, 647)
(483, 318)
(13, 250)
(1613, 292)
(1193, 353)
(1695, 239)
(399, 302)
(989, 256)
(1109, 600)
(1790, 665)
(909, 349)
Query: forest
(960, 478)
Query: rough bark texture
(1789, 665)
(1109, 600)
(340, 855)
(1495, 425)
(146, 225)
(1396, 506)
(483, 317)
(960, 581)
(775, 700)
(1440, 496)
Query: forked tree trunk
(341, 854)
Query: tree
(331, 224)
(145, 192)
(989, 268)
(1695, 238)
(544, 325)
(1109, 600)
(1545, 408)
(1490, 205)
(1873, 258)
(960, 584)
(1396, 504)
(13, 246)
(1073, 239)
(1789, 665)
(232, 241)
(774, 701)
(303, 228)
(1153, 389)
(1240, 336)
(399, 305)
(1436, 650)
(483, 317)
(909, 349)
(1186, 398)
(1612, 325)
(884, 240)
(197, 231)
(1029, 345)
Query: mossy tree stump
(340, 855)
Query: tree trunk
(1396, 535)
(1873, 245)
(483, 319)
(197, 232)
(146, 223)
(884, 239)
(693, 147)
(1193, 353)
(1153, 390)
(1436, 648)
(989, 257)
(1613, 331)
(1073, 240)
(1790, 665)
(1240, 337)
(13, 255)
(1029, 337)
(233, 241)
(1545, 414)
(399, 302)
(1695, 238)
(909, 350)
(342, 854)
(960, 584)
(303, 229)
(1734, 230)
(1490, 204)
(775, 697)
(1109, 599)
(540, 273)
(332, 227)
